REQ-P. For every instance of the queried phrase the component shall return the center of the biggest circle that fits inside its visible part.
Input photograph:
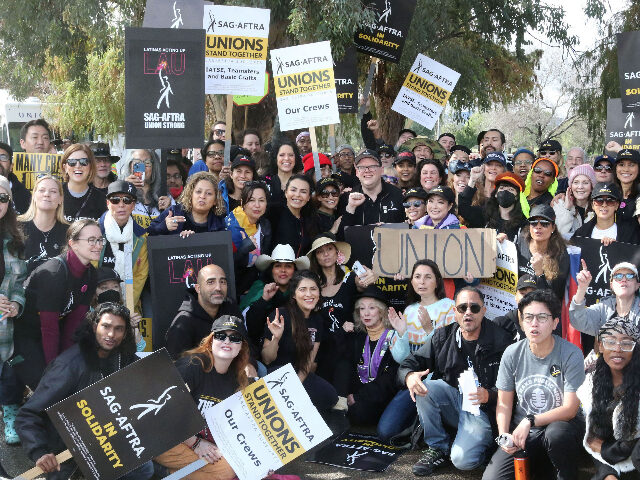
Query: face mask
(109, 296)
(175, 191)
(505, 198)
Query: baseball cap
(386, 148)
(621, 265)
(415, 192)
(606, 190)
(105, 274)
(511, 178)
(229, 322)
(443, 191)
(525, 281)
(405, 157)
(462, 148)
(240, 160)
(367, 153)
(543, 211)
(496, 157)
(121, 186)
(604, 158)
(550, 145)
(628, 154)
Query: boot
(9, 417)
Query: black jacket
(256, 316)
(192, 323)
(511, 324)
(442, 356)
(628, 231)
(386, 209)
(21, 196)
(245, 275)
(76, 368)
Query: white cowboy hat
(282, 254)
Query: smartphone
(139, 170)
(358, 268)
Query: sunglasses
(605, 201)
(4, 158)
(474, 307)
(386, 155)
(617, 276)
(126, 200)
(4, 198)
(546, 153)
(330, 193)
(72, 162)
(536, 223)
(415, 203)
(233, 337)
(602, 168)
(547, 173)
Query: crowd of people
(69, 244)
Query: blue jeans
(443, 404)
(398, 416)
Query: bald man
(201, 306)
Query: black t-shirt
(41, 246)
(91, 205)
(469, 350)
(286, 346)
(109, 258)
(52, 288)
(207, 389)
(233, 203)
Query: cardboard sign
(600, 260)
(425, 91)
(629, 70)
(358, 452)
(267, 425)
(164, 87)
(456, 252)
(623, 128)
(29, 166)
(305, 86)
(173, 14)
(499, 291)
(174, 264)
(236, 49)
(346, 77)
(112, 428)
(385, 37)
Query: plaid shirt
(12, 287)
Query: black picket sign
(629, 70)
(345, 73)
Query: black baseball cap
(543, 211)
(604, 158)
(240, 160)
(386, 148)
(326, 182)
(102, 150)
(367, 153)
(606, 190)
(443, 191)
(405, 157)
(628, 154)
(550, 145)
(462, 148)
(415, 192)
(229, 322)
(105, 274)
(525, 281)
(121, 186)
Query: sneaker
(9, 416)
(432, 458)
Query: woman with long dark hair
(13, 272)
(610, 397)
(213, 371)
(627, 177)
(59, 293)
(293, 335)
(284, 161)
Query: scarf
(368, 368)
(249, 228)
(123, 258)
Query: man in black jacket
(199, 309)
(106, 344)
(510, 321)
(373, 201)
(473, 342)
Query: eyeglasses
(546, 153)
(72, 162)
(93, 241)
(605, 201)
(474, 307)
(625, 345)
(547, 173)
(367, 168)
(346, 155)
(219, 132)
(415, 203)
(4, 198)
(542, 318)
(616, 276)
(602, 168)
(4, 158)
(215, 154)
(233, 337)
(330, 193)
(116, 200)
(175, 176)
(542, 223)
(386, 155)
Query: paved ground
(16, 462)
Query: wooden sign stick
(332, 143)
(314, 150)
(36, 471)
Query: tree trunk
(384, 91)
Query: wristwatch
(532, 419)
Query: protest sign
(29, 166)
(164, 87)
(629, 70)
(456, 252)
(385, 37)
(600, 259)
(246, 100)
(111, 428)
(267, 425)
(174, 264)
(173, 14)
(620, 125)
(499, 291)
(358, 452)
(305, 86)
(345, 74)
(236, 49)
(425, 91)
